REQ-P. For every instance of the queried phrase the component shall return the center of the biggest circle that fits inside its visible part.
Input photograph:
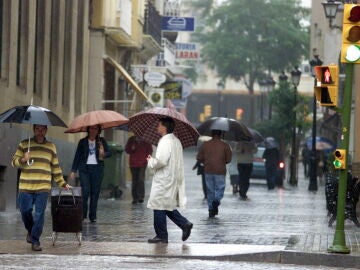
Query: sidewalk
(283, 226)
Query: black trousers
(138, 185)
(244, 170)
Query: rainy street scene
(178, 134)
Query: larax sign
(177, 24)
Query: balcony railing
(152, 24)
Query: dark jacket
(82, 153)
(214, 154)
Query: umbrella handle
(30, 162)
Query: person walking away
(89, 163)
(272, 159)
(168, 185)
(245, 157)
(214, 154)
(233, 171)
(138, 151)
(35, 181)
(305, 154)
(200, 171)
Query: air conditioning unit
(156, 95)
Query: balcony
(152, 32)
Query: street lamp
(330, 8)
(295, 80)
(220, 87)
(266, 86)
(312, 169)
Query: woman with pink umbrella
(90, 154)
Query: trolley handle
(72, 192)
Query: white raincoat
(168, 185)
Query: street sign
(154, 78)
(177, 24)
(187, 51)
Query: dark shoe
(156, 240)
(186, 231)
(93, 221)
(244, 198)
(134, 202)
(28, 238)
(141, 201)
(215, 205)
(211, 214)
(36, 247)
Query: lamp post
(266, 86)
(312, 168)
(220, 87)
(295, 80)
(330, 8)
(270, 87)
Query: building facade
(72, 56)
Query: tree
(244, 40)
(281, 124)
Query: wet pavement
(284, 225)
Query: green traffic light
(337, 163)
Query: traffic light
(350, 49)
(207, 111)
(340, 159)
(239, 113)
(327, 85)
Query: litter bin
(112, 171)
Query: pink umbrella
(104, 118)
(144, 124)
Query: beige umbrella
(104, 118)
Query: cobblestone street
(292, 217)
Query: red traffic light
(326, 76)
(354, 14)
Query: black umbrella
(257, 137)
(233, 130)
(30, 114)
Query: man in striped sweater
(35, 181)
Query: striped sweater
(38, 176)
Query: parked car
(259, 171)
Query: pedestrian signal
(327, 85)
(340, 159)
(350, 49)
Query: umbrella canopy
(234, 131)
(144, 125)
(104, 118)
(257, 137)
(31, 114)
(270, 143)
(321, 143)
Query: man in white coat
(168, 185)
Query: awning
(128, 78)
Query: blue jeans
(160, 221)
(34, 222)
(215, 184)
(90, 181)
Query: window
(23, 33)
(39, 46)
(54, 52)
(4, 37)
(67, 69)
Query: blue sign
(178, 24)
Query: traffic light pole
(339, 242)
